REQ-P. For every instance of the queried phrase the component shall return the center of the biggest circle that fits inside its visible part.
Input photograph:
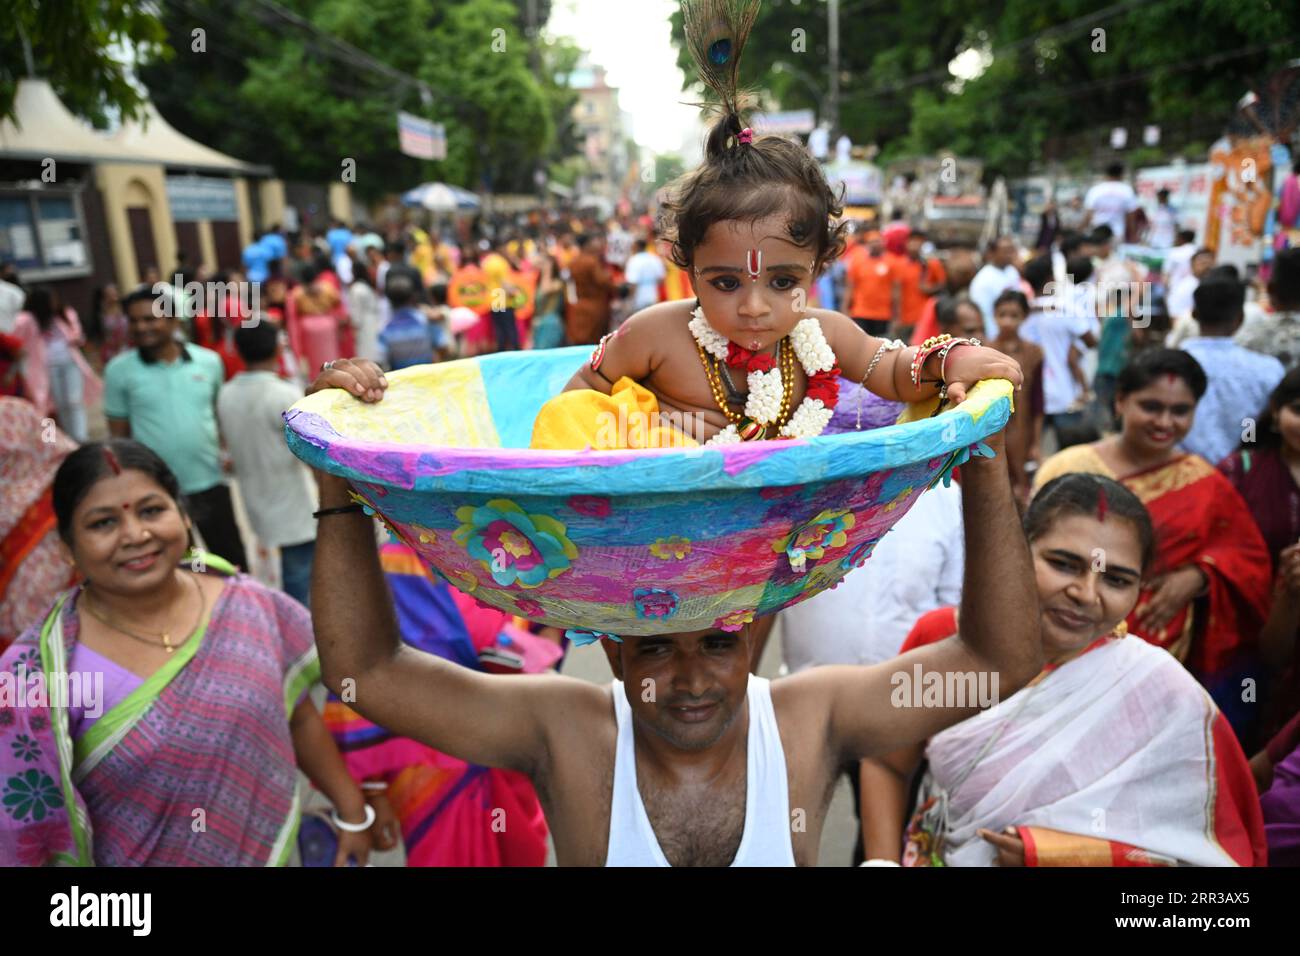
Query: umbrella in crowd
(440, 197)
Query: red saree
(32, 571)
(1200, 520)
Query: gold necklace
(166, 642)
(713, 372)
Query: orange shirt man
(873, 289)
(921, 279)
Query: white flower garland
(765, 388)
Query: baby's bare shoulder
(640, 346)
(839, 329)
(660, 318)
(656, 330)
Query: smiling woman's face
(1159, 416)
(1088, 574)
(128, 534)
(752, 281)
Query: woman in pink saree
(451, 813)
(124, 746)
(316, 316)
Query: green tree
(556, 58)
(1063, 75)
(880, 45)
(266, 88)
(70, 42)
(1054, 87)
(501, 122)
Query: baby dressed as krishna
(754, 226)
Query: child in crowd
(1025, 429)
(961, 316)
(409, 338)
(1058, 326)
(754, 227)
(439, 316)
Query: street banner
(420, 138)
(194, 198)
(1189, 187)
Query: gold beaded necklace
(713, 373)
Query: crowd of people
(1168, 399)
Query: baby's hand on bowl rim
(362, 378)
(967, 365)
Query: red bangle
(923, 352)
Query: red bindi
(126, 506)
(1102, 505)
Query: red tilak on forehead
(112, 461)
(1171, 378)
(754, 263)
(1102, 504)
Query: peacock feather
(716, 31)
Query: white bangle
(879, 862)
(374, 785)
(354, 827)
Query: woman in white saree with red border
(1113, 756)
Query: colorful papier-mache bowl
(622, 542)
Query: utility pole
(27, 50)
(833, 96)
(534, 64)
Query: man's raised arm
(487, 720)
(875, 709)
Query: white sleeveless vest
(766, 837)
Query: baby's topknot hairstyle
(744, 178)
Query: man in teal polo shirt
(162, 393)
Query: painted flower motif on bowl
(655, 603)
(813, 539)
(734, 621)
(515, 547)
(667, 549)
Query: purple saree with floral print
(195, 766)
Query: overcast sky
(630, 39)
